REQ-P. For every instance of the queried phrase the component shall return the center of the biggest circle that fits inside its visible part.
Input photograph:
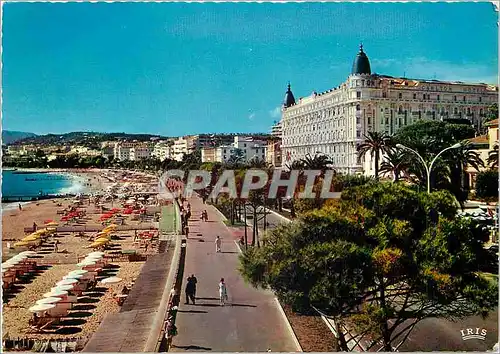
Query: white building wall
(335, 122)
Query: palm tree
(376, 143)
(394, 163)
(458, 162)
(318, 162)
(493, 157)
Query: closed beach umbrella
(41, 231)
(62, 288)
(31, 238)
(111, 280)
(52, 223)
(103, 233)
(21, 244)
(73, 276)
(55, 293)
(85, 263)
(49, 300)
(41, 307)
(96, 253)
(28, 253)
(96, 244)
(9, 265)
(67, 282)
(102, 240)
(78, 272)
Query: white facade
(246, 146)
(162, 151)
(335, 122)
(141, 152)
(180, 148)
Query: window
(384, 95)
(414, 96)
(464, 99)
(386, 120)
(358, 107)
(455, 98)
(358, 134)
(480, 99)
(358, 121)
(400, 96)
(481, 111)
(369, 120)
(244, 145)
(358, 94)
(438, 97)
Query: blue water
(15, 184)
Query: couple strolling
(191, 291)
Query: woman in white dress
(222, 292)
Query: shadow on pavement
(230, 252)
(207, 298)
(192, 311)
(243, 305)
(190, 347)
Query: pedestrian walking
(190, 290)
(222, 292)
(186, 229)
(20, 207)
(194, 281)
(206, 216)
(34, 226)
(218, 243)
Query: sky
(184, 68)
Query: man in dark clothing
(194, 281)
(190, 291)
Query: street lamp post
(428, 169)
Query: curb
(289, 326)
(279, 215)
(283, 314)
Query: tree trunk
(377, 157)
(386, 334)
(245, 221)
(253, 223)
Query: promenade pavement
(250, 322)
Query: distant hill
(90, 139)
(10, 136)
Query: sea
(16, 184)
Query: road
(432, 334)
(252, 322)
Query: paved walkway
(252, 322)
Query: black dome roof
(289, 99)
(361, 64)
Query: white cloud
(276, 112)
(423, 68)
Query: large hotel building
(335, 122)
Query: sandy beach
(72, 247)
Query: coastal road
(432, 334)
(251, 322)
